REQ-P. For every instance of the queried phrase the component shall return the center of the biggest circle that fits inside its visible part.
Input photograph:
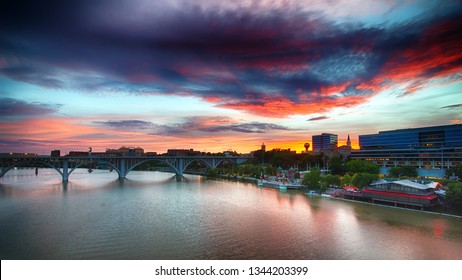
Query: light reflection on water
(154, 215)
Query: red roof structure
(396, 194)
(350, 188)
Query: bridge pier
(65, 172)
(179, 164)
(123, 165)
(122, 169)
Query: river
(154, 215)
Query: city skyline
(225, 75)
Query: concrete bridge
(122, 164)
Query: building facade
(183, 152)
(324, 141)
(402, 192)
(126, 151)
(430, 149)
(424, 137)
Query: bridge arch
(230, 160)
(8, 168)
(122, 164)
(210, 162)
(113, 166)
(64, 175)
(175, 169)
(188, 163)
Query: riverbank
(394, 207)
(151, 215)
(231, 178)
(302, 191)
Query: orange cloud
(68, 134)
(279, 107)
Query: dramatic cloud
(193, 125)
(129, 124)
(455, 106)
(10, 107)
(320, 118)
(266, 61)
(178, 73)
(34, 75)
(253, 127)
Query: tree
(347, 180)
(456, 170)
(212, 172)
(362, 180)
(402, 171)
(454, 195)
(337, 166)
(394, 172)
(361, 166)
(306, 160)
(312, 179)
(330, 180)
(269, 170)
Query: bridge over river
(65, 165)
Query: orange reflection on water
(439, 227)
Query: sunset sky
(218, 75)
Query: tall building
(430, 149)
(424, 137)
(324, 141)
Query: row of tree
(342, 171)
(355, 172)
(361, 173)
(315, 181)
(454, 171)
(246, 170)
(454, 195)
(287, 158)
(454, 188)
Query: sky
(223, 75)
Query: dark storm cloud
(241, 59)
(20, 144)
(192, 125)
(455, 106)
(131, 124)
(10, 107)
(39, 76)
(253, 127)
(24, 144)
(320, 118)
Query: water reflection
(153, 215)
(438, 228)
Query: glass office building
(429, 149)
(424, 137)
(324, 141)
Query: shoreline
(302, 191)
(401, 208)
(253, 180)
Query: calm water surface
(153, 215)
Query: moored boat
(274, 185)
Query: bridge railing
(65, 165)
